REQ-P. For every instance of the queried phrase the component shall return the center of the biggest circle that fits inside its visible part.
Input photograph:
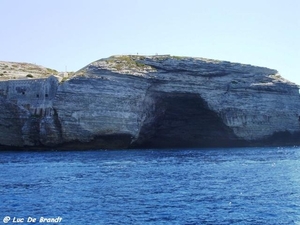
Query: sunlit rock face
(152, 102)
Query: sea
(174, 186)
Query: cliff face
(152, 101)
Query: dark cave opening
(184, 120)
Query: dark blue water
(207, 186)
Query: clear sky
(70, 34)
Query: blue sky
(70, 34)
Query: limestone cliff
(151, 101)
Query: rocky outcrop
(152, 102)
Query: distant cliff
(15, 71)
(151, 102)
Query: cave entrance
(182, 120)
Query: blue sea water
(205, 186)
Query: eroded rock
(151, 102)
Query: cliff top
(15, 70)
(148, 66)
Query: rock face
(151, 102)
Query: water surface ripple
(205, 186)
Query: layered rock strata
(151, 102)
